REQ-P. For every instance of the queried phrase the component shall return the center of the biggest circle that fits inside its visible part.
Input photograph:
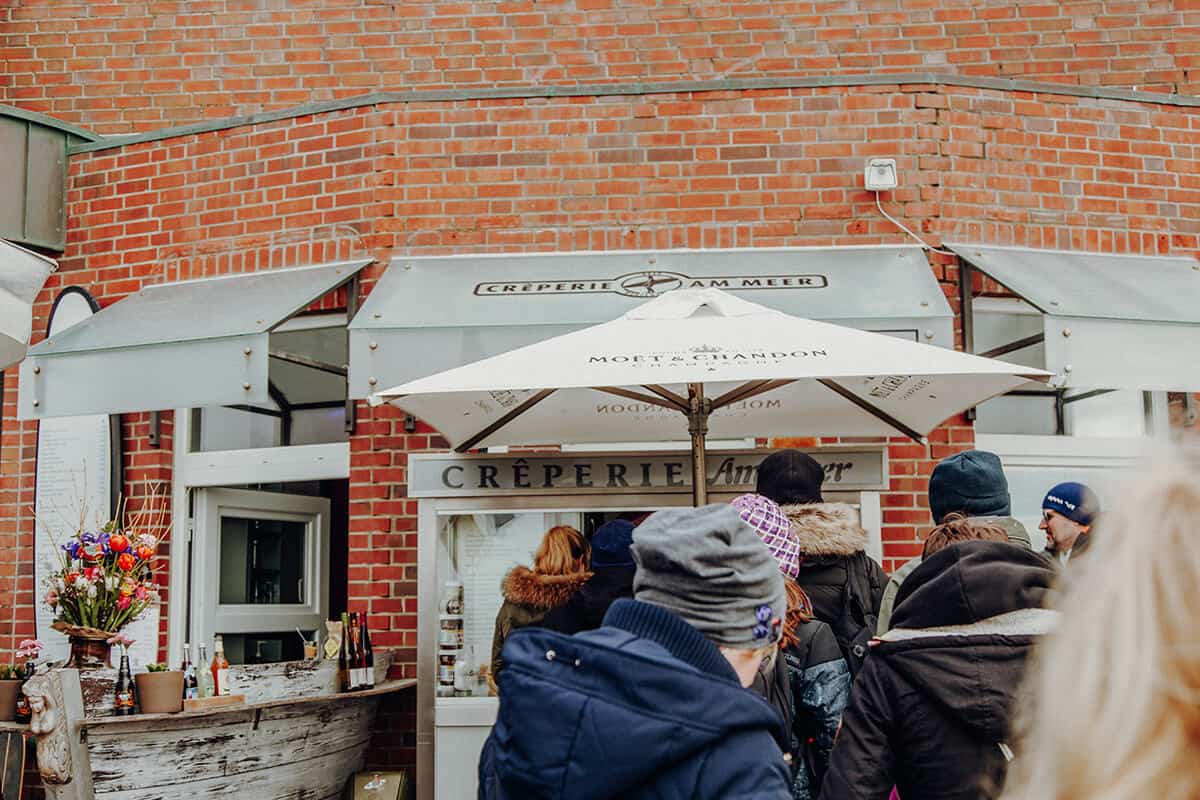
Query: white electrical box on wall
(881, 174)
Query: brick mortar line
(635, 89)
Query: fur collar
(827, 529)
(523, 585)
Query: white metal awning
(22, 275)
(193, 343)
(1109, 321)
(430, 314)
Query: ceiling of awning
(429, 314)
(1109, 321)
(193, 343)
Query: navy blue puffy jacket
(643, 708)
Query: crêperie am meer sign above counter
(452, 475)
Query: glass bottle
(220, 667)
(204, 678)
(344, 678)
(191, 686)
(368, 657)
(124, 699)
(24, 713)
(355, 654)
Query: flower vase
(89, 653)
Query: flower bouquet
(105, 578)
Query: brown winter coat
(528, 596)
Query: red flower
(91, 572)
(145, 553)
(118, 543)
(126, 561)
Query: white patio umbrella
(22, 275)
(703, 360)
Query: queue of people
(755, 649)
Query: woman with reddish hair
(560, 568)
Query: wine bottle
(124, 699)
(355, 655)
(24, 713)
(220, 667)
(344, 680)
(191, 686)
(368, 655)
(204, 678)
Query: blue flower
(761, 632)
(763, 614)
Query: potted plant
(104, 580)
(160, 689)
(11, 678)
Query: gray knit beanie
(712, 569)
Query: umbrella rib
(507, 418)
(746, 391)
(629, 394)
(874, 411)
(668, 395)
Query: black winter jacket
(931, 707)
(820, 682)
(833, 545)
(586, 609)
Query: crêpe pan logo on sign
(711, 356)
(645, 285)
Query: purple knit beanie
(774, 528)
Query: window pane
(262, 561)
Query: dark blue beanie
(610, 545)
(1074, 501)
(971, 483)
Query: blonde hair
(563, 551)
(1112, 709)
(958, 527)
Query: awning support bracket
(1013, 346)
(311, 363)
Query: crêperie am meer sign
(454, 475)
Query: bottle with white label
(220, 667)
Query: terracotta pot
(89, 653)
(160, 692)
(8, 699)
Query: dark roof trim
(48, 122)
(662, 87)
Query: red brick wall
(119, 66)
(718, 169)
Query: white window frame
(192, 470)
(209, 615)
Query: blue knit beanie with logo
(1074, 501)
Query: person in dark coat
(652, 704)
(930, 711)
(560, 569)
(834, 567)
(970, 484)
(816, 673)
(612, 579)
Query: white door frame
(191, 470)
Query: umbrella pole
(698, 409)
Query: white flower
(111, 582)
(91, 590)
(82, 582)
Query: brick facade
(735, 166)
(120, 66)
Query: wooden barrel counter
(294, 737)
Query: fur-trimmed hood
(827, 529)
(523, 585)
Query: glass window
(262, 561)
